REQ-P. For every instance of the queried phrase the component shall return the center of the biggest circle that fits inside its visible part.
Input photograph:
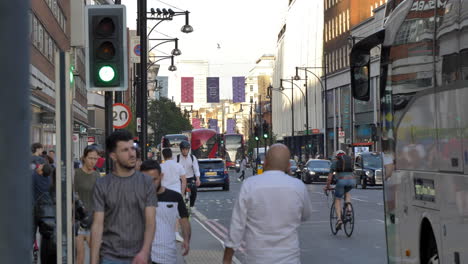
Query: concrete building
(340, 16)
(299, 44)
(51, 31)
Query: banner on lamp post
(212, 89)
(213, 124)
(231, 126)
(196, 123)
(238, 89)
(186, 94)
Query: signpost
(135, 49)
(122, 115)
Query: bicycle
(347, 216)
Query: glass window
(41, 38)
(51, 50)
(35, 32)
(46, 44)
(347, 19)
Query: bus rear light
(408, 253)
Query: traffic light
(256, 133)
(106, 46)
(265, 130)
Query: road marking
(381, 221)
(234, 259)
(357, 199)
(380, 204)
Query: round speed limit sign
(121, 115)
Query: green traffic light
(265, 135)
(106, 73)
(256, 138)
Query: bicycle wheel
(333, 219)
(348, 219)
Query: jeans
(111, 261)
(193, 190)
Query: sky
(244, 30)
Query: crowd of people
(137, 212)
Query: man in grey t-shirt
(124, 208)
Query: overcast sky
(244, 30)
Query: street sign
(136, 49)
(315, 131)
(341, 134)
(138, 124)
(75, 138)
(121, 115)
(91, 140)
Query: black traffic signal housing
(106, 48)
(256, 133)
(265, 130)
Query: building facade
(340, 18)
(299, 44)
(50, 32)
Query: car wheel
(226, 187)
(364, 184)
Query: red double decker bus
(205, 143)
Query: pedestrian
(192, 171)
(174, 179)
(84, 180)
(243, 165)
(171, 206)
(268, 212)
(51, 158)
(124, 208)
(36, 159)
(45, 217)
(42, 183)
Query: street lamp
(172, 67)
(324, 99)
(160, 15)
(291, 101)
(175, 52)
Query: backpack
(344, 164)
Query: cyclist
(192, 171)
(342, 166)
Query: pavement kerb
(200, 218)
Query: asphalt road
(318, 245)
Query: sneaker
(178, 237)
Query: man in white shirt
(174, 174)
(267, 213)
(192, 171)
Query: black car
(316, 170)
(368, 169)
(294, 170)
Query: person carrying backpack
(342, 165)
(192, 171)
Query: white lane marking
(381, 204)
(381, 221)
(357, 199)
(234, 259)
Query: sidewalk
(204, 248)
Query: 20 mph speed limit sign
(121, 115)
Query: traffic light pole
(108, 127)
(15, 192)
(143, 77)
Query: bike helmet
(339, 153)
(184, 144)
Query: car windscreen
(372, 161)
(319, 164)
(211, 165)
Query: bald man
(267, 213)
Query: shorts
(344, 186)
(84, 231)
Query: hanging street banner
(231, 126)
(212, 89)
(213, 124)
(186, 94)
(238, 89)
(163, 84)
(196, 123)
